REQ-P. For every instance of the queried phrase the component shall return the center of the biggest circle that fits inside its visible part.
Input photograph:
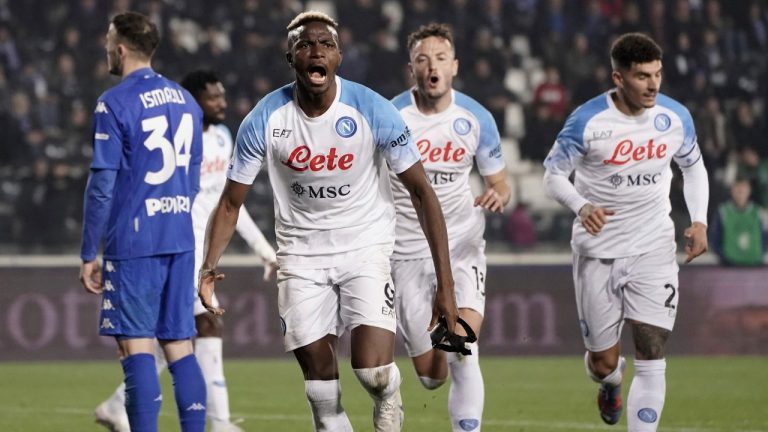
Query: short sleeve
(250, 148)
(392, 137)
(488, 156)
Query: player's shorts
(416, 282)
(642, 288)
(316, 302)
(150, 297)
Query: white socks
(325, 402)
(467, 393)
(381, 382)
(208, 351)
(646, 395)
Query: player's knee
(380, 382)
(602, 365)
(431, 383)
(208, 325)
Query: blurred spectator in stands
(355, 64)
(459, 15)
(21, 111)
(681, 65)
(712, 60)
(10, 59)
(415, 14)
(488, 90)
(739, 230)
(657, 22)
(552, 93)
(385, 72)
(747, 130)
(579, 62)
(541, 129)
(757, 30)
(710, 122)
(681, 20)
(630, 19)
(363, 18)
(31, 210)
(598, 82)
(14, 149)
(551, 32)
(595, 24)
(491, 16)
(486, 45)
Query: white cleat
(225, 426)
(388, 415)
(112, 416)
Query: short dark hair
(440, 30)
(196, 82)
(137, 31)
(634, 48)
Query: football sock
(142, 392)
(380, 382)
(118, 397)
(325, 402)
(646, 395)
(189, 389)
(467, 392)
(208, 351)
(431, 383)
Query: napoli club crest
(662, 122)
(462, 126)
(346, 127)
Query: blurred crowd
(530, 62)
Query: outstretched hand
(444, 306)
(490, 200)
(206, 282)
(695, 241)
(593, 218)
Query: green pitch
(704, 394)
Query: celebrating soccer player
(620, 144)
(326, 143)
(450, 130)
(147, 149)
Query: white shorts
(316, 302)
(642, 288)
(416, 282)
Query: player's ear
(289, 58)
(618, 79)
(455, 66)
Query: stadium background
(530, 62)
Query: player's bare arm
(497, 192)
(696, 242)
(432, 222)
(594, 218)
(219, 232)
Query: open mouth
(434, 79)
(317, 75)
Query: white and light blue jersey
(449, 142)
(328, 173)
(148, 129)
(622, 163)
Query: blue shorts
(149, 297)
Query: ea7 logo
(101, 107)
(281, 133)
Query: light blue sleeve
(688, 153)
(569, 145)
(488, 155)
(390, 134)
(251, 142)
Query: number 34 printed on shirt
(174, 155)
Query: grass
(531, 394)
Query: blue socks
(189, 389)
(142, 392)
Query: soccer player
(147, 149)
(620, 145)
(450, 129)
(327, 143)
(208, 91)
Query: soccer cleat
(609, 402)
(388, 415)
(225, 426)
(112, 416)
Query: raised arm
(433, 224)
(218, 233)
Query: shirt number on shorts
(668, 303)
(479, 280)
(389, 293)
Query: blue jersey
(148, 129)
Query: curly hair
(440, 30)
(634, 48)
(196, 82)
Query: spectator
(552, 94)
(739, 231)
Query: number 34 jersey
(149, 130)
(328, 173)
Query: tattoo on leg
(649, 340)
